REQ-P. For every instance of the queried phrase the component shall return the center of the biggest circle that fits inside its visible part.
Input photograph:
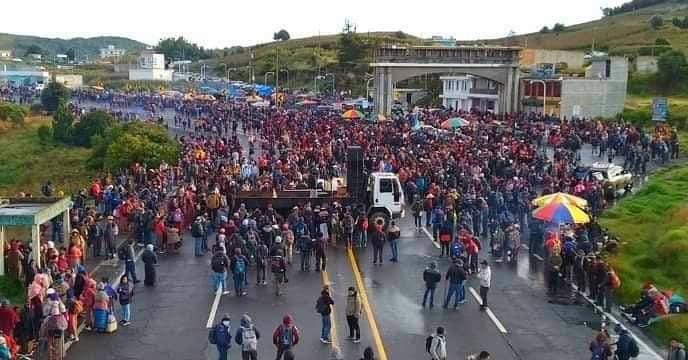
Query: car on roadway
(614, 178)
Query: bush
(656, 22)
(91, 124)
(122, 145)
(63, 121)
(45, 134)
(36, 109)
(54, 96)
(662, 41)
(12, 113)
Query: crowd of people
(473, 184)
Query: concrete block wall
(593, 98)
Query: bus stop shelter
(31, 213)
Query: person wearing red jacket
(285, 337)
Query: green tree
(63, 122)
(544, 30)
(656, 22)
(662, 42)
(34, 49)
(147, 145)
(91, 124)
(181, 49)
(558, 27)
(45, 134)
(71, 54)
(282, 35)
(54, 95)
(672, 70)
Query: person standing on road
(417, 209)
(431, 277)
(149, 260)
(219, 264)
(197, 232)
(285, 337)
(125, 291)
(262, 255)
(677, 351)
(353, 313)
(278, 267)
(238, 266)
(247, 337)
(130, 261)
(393, 235)
(485, 277)
(378, 240)
(626, 347)
(600, 348)
(438, 345)
(324, 307)
(320, 254)
(221, 337)
(456, 277)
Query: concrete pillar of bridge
(516, 82)
(389, 92)
(379, 90)
(508, 91)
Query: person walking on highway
(305, 249)
(431, 277)
(600, 348)
(353, 313)
(417, 209)
(456, 278)
(125, 291)
(219, 264)
(285, 337)
(626, 346)
(438, 345)
(247, 337)
(130, 261)
(197, 232)
(238, 266)
(324, 307)
(320, 253)
(393, 235)
(221, 337)
(378, 239)
(485, 277)
(262, 256)
(149, 260)
(278, 267)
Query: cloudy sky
(223, 23)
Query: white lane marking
(643, 344)
(538, 257)
(213, 309)
(432, 239)
(489, 312)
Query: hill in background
(82, 46)
(627, 33)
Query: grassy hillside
(83, 46)
(628, 33)
(26, 164)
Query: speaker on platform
(355, 171)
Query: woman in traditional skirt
(101, 309)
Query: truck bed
(287, 199)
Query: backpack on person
(633, 350)
(211, 337)
(197, 229)
(218, 263)
(321, 307)
(122, 253)
(428, 343)
(239, 265)
(598, 353)
(249, 340)
(287, 336)
(276, 264)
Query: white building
(466, 92)
(111, 51)
(5, 54)
(151, 66)
(70, 81)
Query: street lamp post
(265, 77)
(288, 80)
(544, 95)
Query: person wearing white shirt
(485, 276)
(438, 346)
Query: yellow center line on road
(377, 339)
(333, 317)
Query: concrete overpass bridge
(396, 63)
